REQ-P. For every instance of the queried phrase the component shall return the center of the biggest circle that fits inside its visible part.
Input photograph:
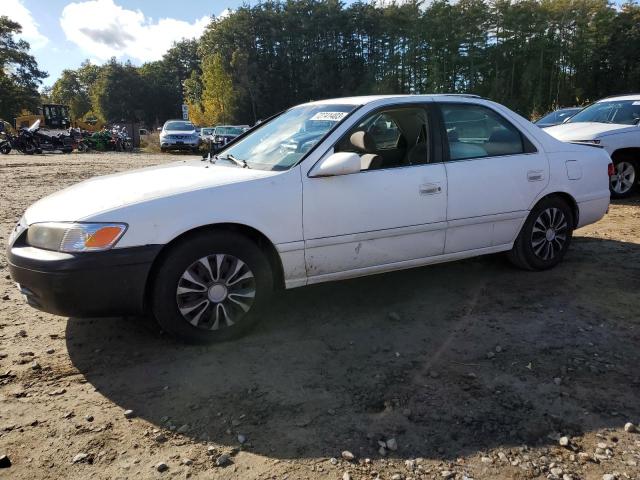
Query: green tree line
(20, 76)
(531, 55)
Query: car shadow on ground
(449, 360)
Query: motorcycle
(25, 141)
(5, 139)
(55, 141)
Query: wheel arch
(631, 154)
(256, 236)
(568, 199)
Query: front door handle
(535, 175)
(430, 189)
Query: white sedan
(324, 191)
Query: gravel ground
(470, 369)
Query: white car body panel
(374, 217)
(351, 225)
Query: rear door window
(475, 131)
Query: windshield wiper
(242, 163)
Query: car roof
(630, 96)
(363, 100)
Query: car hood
(585, 130)
(102, 194)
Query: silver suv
(179, 135)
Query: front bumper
(179, 144)
(92, 284)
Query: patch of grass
(150, 143)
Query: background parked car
(206, 133)
(179, 135)
(611, 123)
(223, 134)
(557, 117)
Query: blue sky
(63, 33)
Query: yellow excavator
(51, 115)
(56, 117)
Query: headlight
(75, 237)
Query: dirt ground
(467, 370)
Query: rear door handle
(535, 175)
(430, 189)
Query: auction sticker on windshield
(333, 116)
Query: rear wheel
(5, 148)
(211, 287)
(545, 236)
(622, 183)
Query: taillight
(611, 169)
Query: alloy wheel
(623, 179)
(549, 233)
(215, 292)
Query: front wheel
(545, 236)
(623, 181)
(211, 287)
(5, 148)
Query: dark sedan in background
(223, 134)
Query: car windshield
(207, 131)
(558, 116)
(229, 130)
(284, 141)
(177, 125)
(548, 118)
(623, 112)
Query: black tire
(5, 149)
(539, 250)
(627, 171)
(163, 150)
(183, 258)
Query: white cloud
(16, 11)
(103, 29)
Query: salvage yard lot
(471, 368)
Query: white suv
(179, 135)
(612, 123)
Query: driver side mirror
(340, 163)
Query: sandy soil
(467, 370)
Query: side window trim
(527, 146)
